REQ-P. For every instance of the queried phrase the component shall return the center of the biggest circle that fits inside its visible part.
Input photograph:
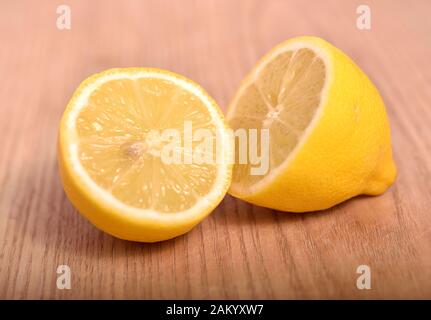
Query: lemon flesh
(119, 144)
(110, 145)
(329, 133)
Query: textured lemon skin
(102, 215)
(347, 153)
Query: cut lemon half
(329, 136)
(111, 144)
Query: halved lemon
(111, 165)
(329, 136)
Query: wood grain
(240, 251)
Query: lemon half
(109, 156)
(328, 128)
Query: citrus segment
(282, 98)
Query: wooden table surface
(240, 251)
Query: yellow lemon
(329, 136)
(110, 151)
